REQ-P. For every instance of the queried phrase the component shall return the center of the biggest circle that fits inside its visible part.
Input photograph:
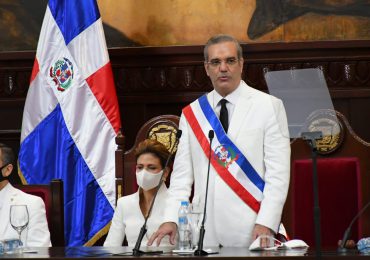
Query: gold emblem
(331, 129)
(165, 134)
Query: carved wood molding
(179, 69)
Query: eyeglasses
(215, 63)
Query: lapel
(242, 108)
(14, 196)
(157, 207)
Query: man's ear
(241, 61)
(7, 170)
(206, 68)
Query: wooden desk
(226, 253)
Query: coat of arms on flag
(62, 73)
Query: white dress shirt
(232, 99)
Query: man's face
(223, 67)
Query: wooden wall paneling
(161, 80)
(11, 138)
(11, 113)
(131, 116)
(360, 117)
(156, 81)
(14, 82)
(346, 66)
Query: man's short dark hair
(219, 38)
(7, 155)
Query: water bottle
(184, 227)
(9, 245)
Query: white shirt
(232, 99)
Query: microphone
(136, 251)
(312, 137)
(347, 233)
(200, 251)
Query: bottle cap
(363, 245)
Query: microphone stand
(200, 251)
(342, 247)
(136, 251)
(311, 138)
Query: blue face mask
(2, 178)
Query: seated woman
(131, 210)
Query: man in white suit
(37, 232)
(249, 174)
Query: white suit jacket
(128, 219)
(259, 129)
(37, 232)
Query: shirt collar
(231, 98)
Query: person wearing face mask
(128, 218)
(37, 232)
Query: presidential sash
(228, 161)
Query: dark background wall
(151, 81)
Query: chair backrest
(161, 128)
(343, 168)
(339, 198)
(54, 204)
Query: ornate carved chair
(343, 168)
(162, 128)
(54, 204)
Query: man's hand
(167, 228)
(259, 230)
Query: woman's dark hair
(154, 147)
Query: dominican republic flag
(71, 118)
